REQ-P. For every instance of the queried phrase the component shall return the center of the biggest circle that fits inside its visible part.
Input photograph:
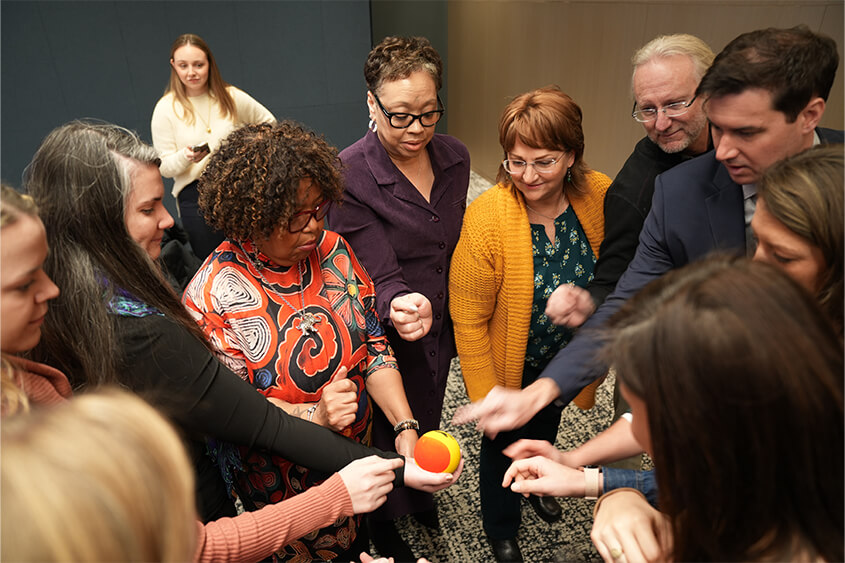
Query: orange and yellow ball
(437, 451)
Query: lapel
(725, 210)
(390, 179)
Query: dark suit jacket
(626, 206)
(697, 209)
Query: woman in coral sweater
(540, 227)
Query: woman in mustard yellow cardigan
(538, 228)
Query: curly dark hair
(396, 58)
(250, 184)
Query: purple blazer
(406, 245)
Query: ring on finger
(616, 553)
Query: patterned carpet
(461, 538)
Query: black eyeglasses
(404, 120)
(300, 220)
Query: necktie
(750, 204)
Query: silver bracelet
(407, 424)
(310, 411)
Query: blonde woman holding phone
(197, 111)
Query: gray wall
(426, 18)
(109, 60)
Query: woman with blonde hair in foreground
(101, 477)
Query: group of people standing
(288, 326)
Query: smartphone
(202, 147)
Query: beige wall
(500, 49)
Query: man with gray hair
(667, 71)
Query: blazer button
(439, 269)
(442, 245)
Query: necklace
(207, 122)
(307, 321)
(545, 216)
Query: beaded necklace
(307, 321)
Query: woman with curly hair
(196, 112)
(291, 310)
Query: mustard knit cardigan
(491, 283)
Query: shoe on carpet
(546, 508)
(505, 551)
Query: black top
(175, 372)
(626, 205)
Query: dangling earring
(372, 126)
(569, 174)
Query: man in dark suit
(764, 96)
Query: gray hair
(81, 177)
(684, 44)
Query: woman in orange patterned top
(292, 311)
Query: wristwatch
(591, 480)
(407, 424)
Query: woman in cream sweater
(198, 110)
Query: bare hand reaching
(505, 409)
(422, 480)
(543, 477)
(368, 481)
(569, 305)
(411, 316)
(524, 448)
(627, 526)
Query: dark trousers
(500, 507)
(203, 238)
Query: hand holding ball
(438, 452)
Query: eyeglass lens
(519, 166)
(300, 220)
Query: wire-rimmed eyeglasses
(672, 110)
(541, 166)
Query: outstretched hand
(525, 448)
(569, 305)
(543, 477)
(505, 409)
(422, 480)
(368, 481)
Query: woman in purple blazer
(405, 197)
